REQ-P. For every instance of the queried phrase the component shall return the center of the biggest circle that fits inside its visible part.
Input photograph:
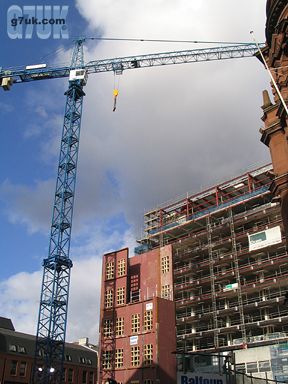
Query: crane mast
(52, 318)
(51, 330)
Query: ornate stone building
(275, 131)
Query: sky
(177, 129)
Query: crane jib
(33, 72)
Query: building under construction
(220, 255)
(229, 263)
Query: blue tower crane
(52, 319)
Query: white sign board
(200, 378)
(149, 306)
(264, 238)
(133, 340)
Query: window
(264, 366)
(148, 354)
(120, 326)
(165, 291)
(165, 267)
(240, 367)
(21, 349)
(107, 328)
(109, 298)
(13, 367)
(106, 359)
(91, 377)
(119, 358)
(252, 367)
(22, 369)
(84, 377)
(68, 358)
(82, 360)
(88, 361)
(148, 320)
(134, 288)
(135, 356)
(70, 375)
(135, 323)
(148, 381)
(120, 296)
(12, 348)
(110, 270)
(121, 267)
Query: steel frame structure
(52, 320)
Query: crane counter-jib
(42, 72)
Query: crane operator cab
(78, 74)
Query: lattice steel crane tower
(52, 319)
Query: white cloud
(19, 295)
(176, 129)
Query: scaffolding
(227, 294)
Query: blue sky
(176, 129)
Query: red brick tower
(137, 319)
(275, 131)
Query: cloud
(176, 129)
(19, 295)
(28, 205)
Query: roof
(14, 342)
(6, 323)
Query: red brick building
(17, 351)
(137, 321)
(275, 130)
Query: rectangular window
(165, 292)
(13, 367)
(110, 270)
(68, 358)
(21, 349)
(165, 267)
(264, 366)
(148, 381)
(120, 296)
(252, 367)
(12, 348)
(70, 375)
(148, 320)
(109, 298)
(91, 377)
(107, 328)
(84, 377)
(121, 267)
(106, 359)
(240, 367)
(119, 358)
(135, 356)
(135, 323)
(148, 354)
(22, 369)
(120, 326)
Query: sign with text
(200, 378)
(264, 238)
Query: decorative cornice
(274, 8)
